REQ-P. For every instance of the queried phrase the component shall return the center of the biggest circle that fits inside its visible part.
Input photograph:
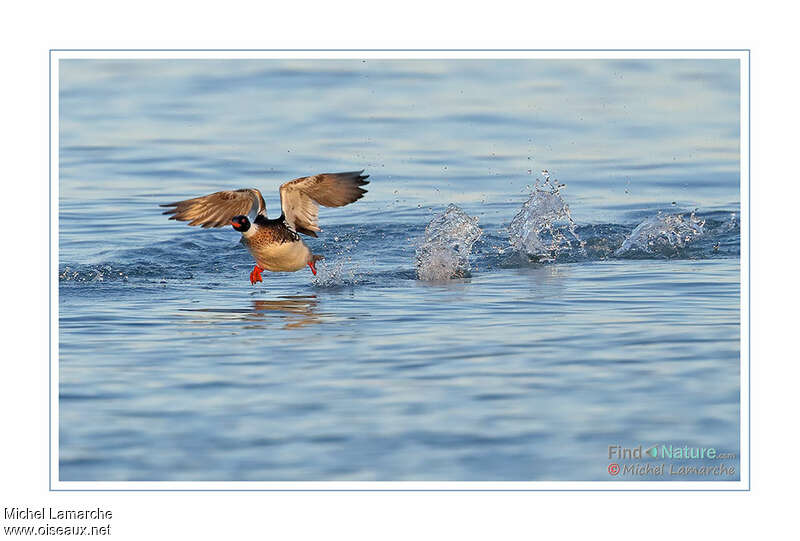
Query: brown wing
(300, 198)
(217, 209)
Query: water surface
(173, 367)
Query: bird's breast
(277, 250)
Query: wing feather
(301, 197)
(217, 209)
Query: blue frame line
(50, 268)
(396, 489)
(403, 50)
(50, 284)
(749, 278)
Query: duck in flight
(274, 243)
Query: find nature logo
(620, 452)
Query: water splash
(116, 272)
(543, 227)
(341, 271)
(339, 268)
(663, 234)
(444, 250)
(98, 273)
(732, 224)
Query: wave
(451, 245)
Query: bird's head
(240, 223)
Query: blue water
(173, 367)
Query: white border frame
(744, 404)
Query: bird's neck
(251, 231)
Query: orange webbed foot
(255, 276)
(312, 267)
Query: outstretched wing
(300, 198)
(217, 209)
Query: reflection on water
(546, 280)
(291, 312)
